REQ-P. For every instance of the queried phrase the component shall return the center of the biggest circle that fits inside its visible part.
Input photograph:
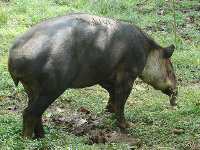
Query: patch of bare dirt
(178, 131)
(83, 123)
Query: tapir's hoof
(38, 137)
(123, 125)
(107, 110)
(39, 133)
(26, 136)
(110, 109)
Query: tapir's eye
(168, 51)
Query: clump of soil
(84, 123)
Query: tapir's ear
(168, 51)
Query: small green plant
(3, 16)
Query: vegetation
(154, 122)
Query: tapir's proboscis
(80, 50)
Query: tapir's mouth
(172, 93)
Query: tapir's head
(159, 71)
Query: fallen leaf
(178, 131)
(83, 110)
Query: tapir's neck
(152, 66)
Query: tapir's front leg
(123, 88)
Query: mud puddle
(83, 123)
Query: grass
(148, 109)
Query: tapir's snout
(171, 90)
(172, 93)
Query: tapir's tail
(14, 78)
(16, 81)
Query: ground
(154, 123)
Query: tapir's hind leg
(32, 116)
(41, 95)
(110, 107)
(31, 89)
(38, 130)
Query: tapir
(81, 50)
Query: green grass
(148, 109)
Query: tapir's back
(85, 46)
